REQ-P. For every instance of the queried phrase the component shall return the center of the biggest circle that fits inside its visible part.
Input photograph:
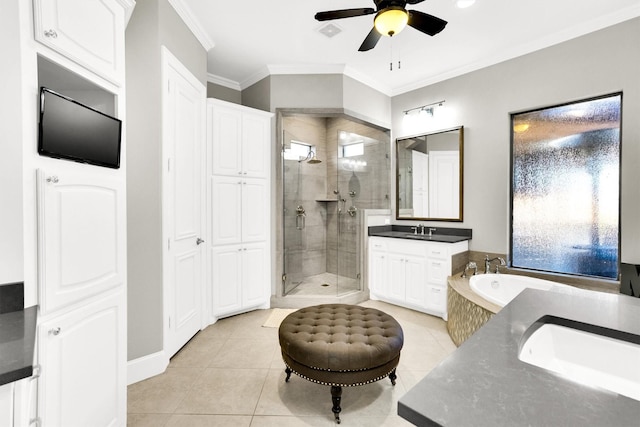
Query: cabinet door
(255, 210)
(81, 232)
(397, 276)
(226, 141)
(83, 358)
(378, 270)
(226, 278)
(438, 271)
(89, 32)
(226, 210)
(436, 298)
(6, 405)
(256, 147)
(415, 273)
(256, 278)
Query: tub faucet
(471, 265)
(487, 264)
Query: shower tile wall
(306, 253)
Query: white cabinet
(238, 274)
(239, 204)
(240, 140)
(6, 404)
(83, 382)
(82, 328)
(80, 236)
(239, 207)
(410, 273)
(89, 32)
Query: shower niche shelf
(326, 200)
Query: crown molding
(524, 49)
(221, 81)
(192, 23)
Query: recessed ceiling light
(464, 3)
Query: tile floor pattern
(232, 374)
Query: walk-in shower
(333, 170)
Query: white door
(444, 184)
(226, 141)
(397, 276)
(254, 271)
(80, 226)
(83, 377)
(226, 208)
(183, 118)
(255, 145)
(255, 213)
(415, 279)
(226, 273)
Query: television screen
(70, 130)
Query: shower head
(314, 160)
(311, 159)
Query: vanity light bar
(425, 107)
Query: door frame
(169, 61)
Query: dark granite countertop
(439, 234)
(17, 342)
(483, 383)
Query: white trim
(221, 81)
(192, 23)
(146, 367)
(580, 30)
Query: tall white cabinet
(74, 216)
(238, 198)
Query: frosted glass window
(566, 188)
(352, 150)
(297, 151)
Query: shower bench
(340, 345)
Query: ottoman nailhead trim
(338, 384)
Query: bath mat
(277, 316)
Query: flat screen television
(73, 131)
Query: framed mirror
(429, 176)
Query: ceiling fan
(391, 17)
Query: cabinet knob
(52, 179)
(51, 33)
(55, 331)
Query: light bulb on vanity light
(462, 4)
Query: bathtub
(502, 288)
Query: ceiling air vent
(330, 30)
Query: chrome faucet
(472, 265)
(421, 229)
(431, 230)
(487, 264)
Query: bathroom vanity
(486, 382)
(410, 267)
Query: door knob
(199, 241)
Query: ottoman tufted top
(340, 337)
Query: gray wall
(595, 64)
(154, 23)
(224, 93)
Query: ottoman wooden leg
(288, 371)
(336, 393)
(392, 377)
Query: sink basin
(585, 357)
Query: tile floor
(232, 374)
(326, 284)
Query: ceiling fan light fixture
(464, 3)
(391, 20)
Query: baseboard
(146, 367)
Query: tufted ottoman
(341, 346)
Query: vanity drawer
(437, 271)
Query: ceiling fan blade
(344, 13)
(370, 41)
(426, 23)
